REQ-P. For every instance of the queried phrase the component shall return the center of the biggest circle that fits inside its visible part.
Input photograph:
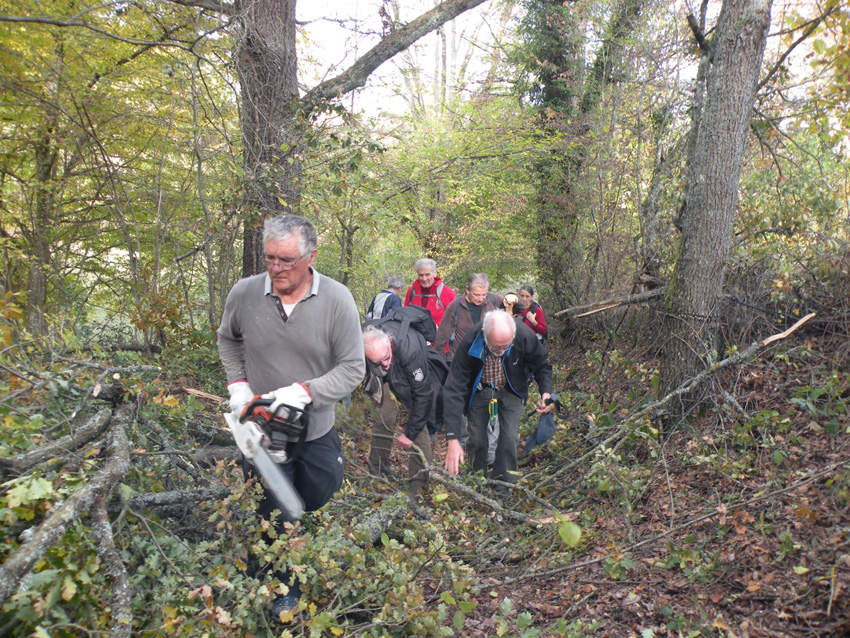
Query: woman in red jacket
(531, 312)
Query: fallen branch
(493, 504)
(441, 476)
(204, 395)
(684, 388)
(78, 504)
(95, 426)
(156, 500)
(369, 530)
(597, 306)
(121, 595)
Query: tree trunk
(557, 42)
(41, 231)
(267, 67)
(714, 167)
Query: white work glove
(240, 396)
(295, 395)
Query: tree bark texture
(267, 68)
(91, 430)
(714, 168)
(121, 597)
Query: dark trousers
(510, 413)
(316, 472)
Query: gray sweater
(319, 344)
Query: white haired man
(428, 290)
(415, 374)
(487, 380)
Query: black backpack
(419, 319)
(415, 317)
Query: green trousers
(388, 416)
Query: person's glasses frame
(282, 263)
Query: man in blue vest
(387, 299)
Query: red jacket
(537, 311)
(435, 298)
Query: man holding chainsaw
(292, 336)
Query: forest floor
(736, 524)
(733, 522)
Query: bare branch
(698, 34)
(209, 5)
(810, 28)
(85, 25)
(356, 75)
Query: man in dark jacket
(465, 312)
(489, 380)
(386, 300)
(402, 361)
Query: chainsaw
(262, 438)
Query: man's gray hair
(285, 226)
(373, 334)
(425, 262)
(494, 317)
(395, 282)
(478, 279)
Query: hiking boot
(287, 604)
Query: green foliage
(64, 588)
(379, 590)
(827, 403)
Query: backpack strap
(440, 292)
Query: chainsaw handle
(258, 402)
(258, 407)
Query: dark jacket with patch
(525, 359)
(412, 379)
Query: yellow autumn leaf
(69, 588)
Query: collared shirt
(319, 342)
(494, 372)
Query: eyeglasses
(498, 350)
(282, 263)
